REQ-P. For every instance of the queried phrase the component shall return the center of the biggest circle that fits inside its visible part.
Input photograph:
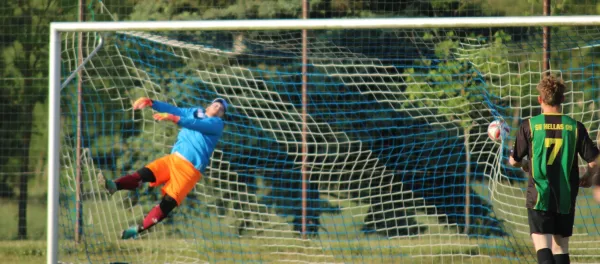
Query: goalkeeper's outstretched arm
(162, 107)
(211, 125)
(167, 108)
(208, 126)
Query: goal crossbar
(56, 28)
(316, 24)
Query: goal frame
(56, 28)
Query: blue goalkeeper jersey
(199, 134)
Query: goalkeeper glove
(165, 116)
(141, 103)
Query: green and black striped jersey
(552, 142)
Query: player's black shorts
(541, 222)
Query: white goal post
(57, 28)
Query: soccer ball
(497, 130)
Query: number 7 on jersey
(557, 143)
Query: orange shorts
(178, 175)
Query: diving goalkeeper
(180, 170)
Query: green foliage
(579, 7)
(446, 84)
(280, 9)
(23, 71)
(459, 80)
(256, 9)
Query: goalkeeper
(179, 171)
(552, 141)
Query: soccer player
(180, 170)
(552, 142)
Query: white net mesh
(388, 135)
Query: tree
(24, 74)
(452, 85)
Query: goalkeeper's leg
(127, 182)
(179, 177)
(157, 214)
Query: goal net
(398, 167)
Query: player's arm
(162, 107)
(178, 111)
(591, 172)
(521, 147)
(207, 126)
(588, 151)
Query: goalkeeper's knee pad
(167, 204)
(146, 174)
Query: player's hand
(165, 116)
(525, 166)
(142, 103)
(586, 180)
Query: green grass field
(216, 240)
(26, 252)
(254, 250)
(36, 220)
